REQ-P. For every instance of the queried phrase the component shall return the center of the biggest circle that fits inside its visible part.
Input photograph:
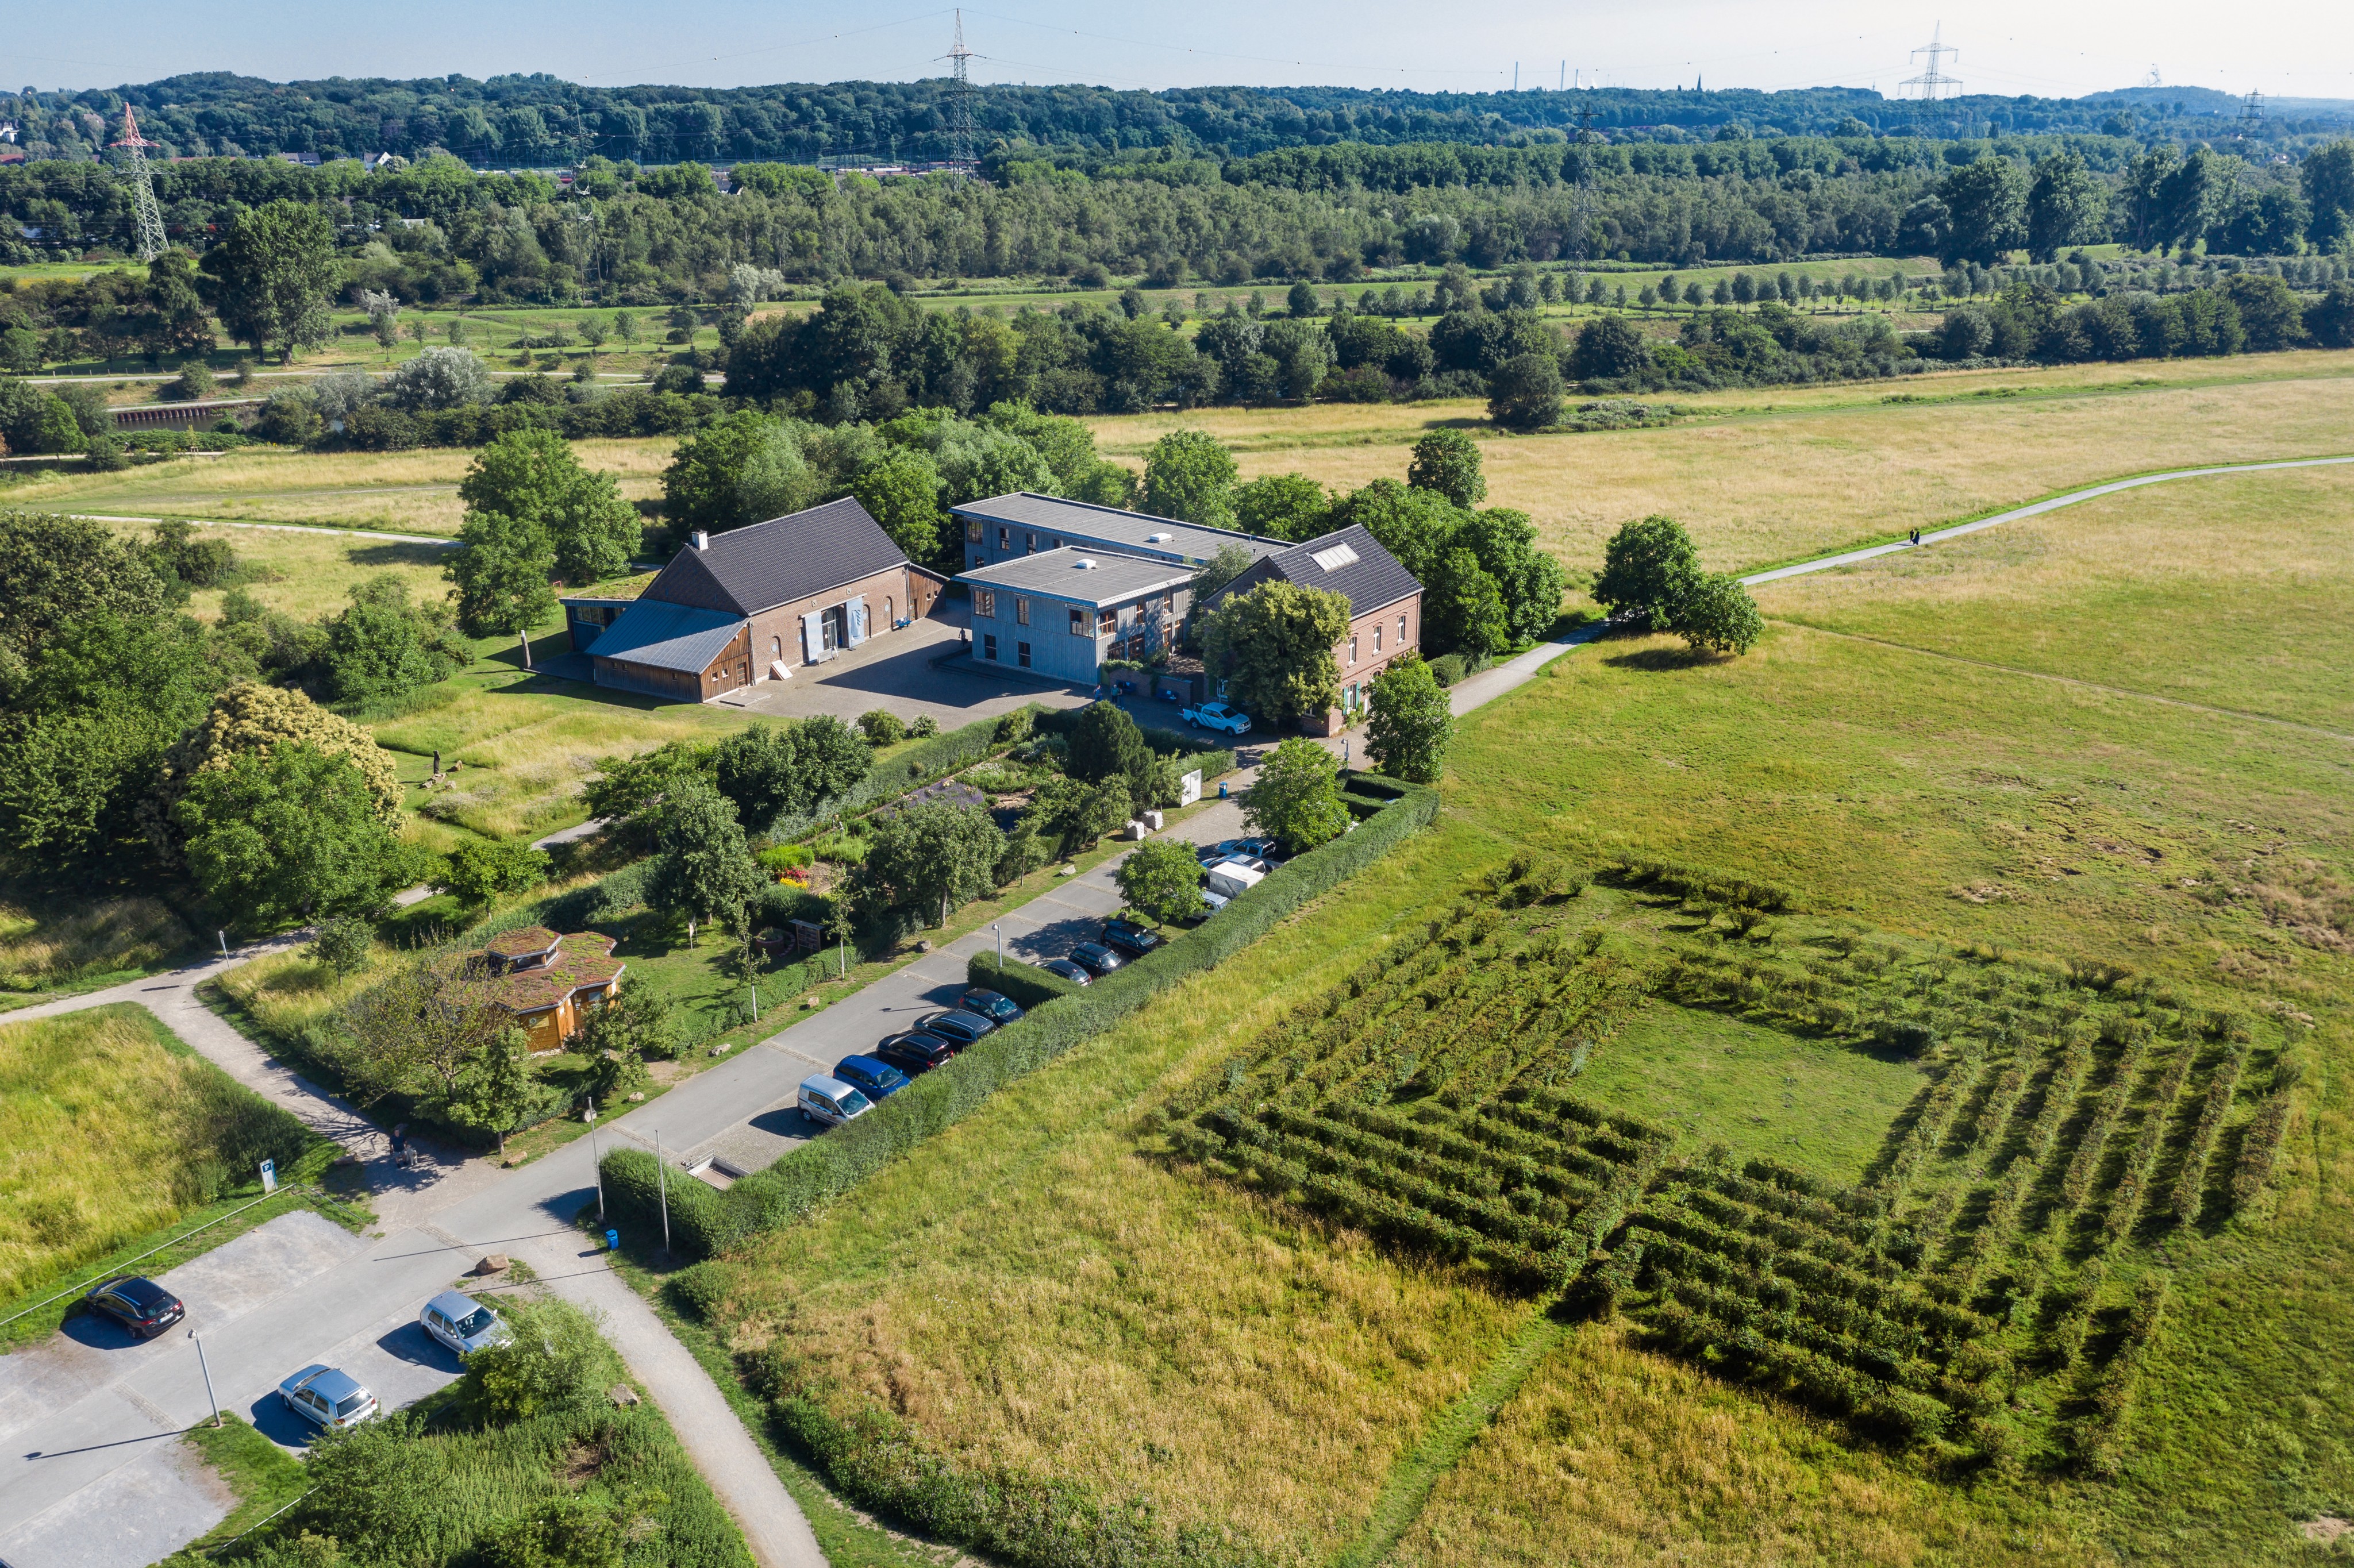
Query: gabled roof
(747, 570)
(668, 636)
(1350, 562)
(1133, 532)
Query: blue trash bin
(1221, 790)
(612, 1241)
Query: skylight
(1334, 559)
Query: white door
(812, 638)
(858, 620)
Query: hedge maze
(1989, 1290)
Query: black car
(989, 1006)
(913, 1052)
(956, 1027)
(1129, 937)
(1095, 958)
(1067, 969)
(143, 1307)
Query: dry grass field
(50, 943)
(401, 492)
(306, 575)
(1776, 474)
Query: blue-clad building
(1060, 613)
(1007, 528)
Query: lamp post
(589, 1116)
(999, 932)
(661, 1190)
(206, 1367)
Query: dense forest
(539, 120)
(618, 233)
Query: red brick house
(1385, 607)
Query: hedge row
(1024, 983)
(2125, 1198)
(705, 1221)
(2076, 1183)
(2191, 1184)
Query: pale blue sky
(2007, 45)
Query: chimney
(699, 539)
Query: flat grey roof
(1058, 575)
(1130, 531)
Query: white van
(827, 1100)
(1232, 879)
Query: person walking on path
(400, 1146)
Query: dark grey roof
(1129, 532)
(1373, 581)
(747, 570)
(1057, 574)
(667, 636)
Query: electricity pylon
(961, 131)
(152, 242)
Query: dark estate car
(956, 1027)
(1067, 969)
(879, 1080)
(142, 1306)
(1095, 958)
(989, 1006)
(1129, 937)
(913, 1052)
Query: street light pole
(589, 1116)
(661, 1190)
(999, 932)
(206, 1368)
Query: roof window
(1334, 559)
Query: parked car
(827, 1100)
(1210, 854)
(462, 1323)
(989, 1006)
(139, 1304)
(1129, 937)
(1095, 958)
(1214, 902)
(327, 1397)
(913, 1053)
(1267, 850)
(878, 1081)
(1218, 715)
(956, 1027)
(1067, 969)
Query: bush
(924, 729)
(880, 727)
(555, 1362)
(705, 1221)
(342, 943)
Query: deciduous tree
(1412, 722)
(290, 833)
(1648, 568)
(1190, 475)
(928, 859)
(1297, 796)
(533, 476)
(1162, 878)
(502, 574)
(273, 275)
(702, 864)
(1448, 461)
(1273, 647)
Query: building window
(984, 602)
(890, 616)
(1053, 543)
(1078, 621)
(989, 645)
(1107, 621)
(1022, 655)
(972, 530)
(1002, 534)
(1353, 649)
(1377, 637)
(1401, 630)
(1030, 543)
(1020, 610)
(776, 647)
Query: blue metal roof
(664, 636)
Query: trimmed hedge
(1024, 983)
(704, 1222)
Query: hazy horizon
(2006, 46)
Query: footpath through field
(2034, 509)
(439, 540)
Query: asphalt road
(90, 1476)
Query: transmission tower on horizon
(152, 242)
(961, 131)
(2252, 117)
(1934, 81)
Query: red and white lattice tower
(152, 242)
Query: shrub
(1024, 983)
(342, 943)
(880, 727)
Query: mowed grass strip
(309, 574)
(1793, 480)
(105, 1134)
(2229, 591)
